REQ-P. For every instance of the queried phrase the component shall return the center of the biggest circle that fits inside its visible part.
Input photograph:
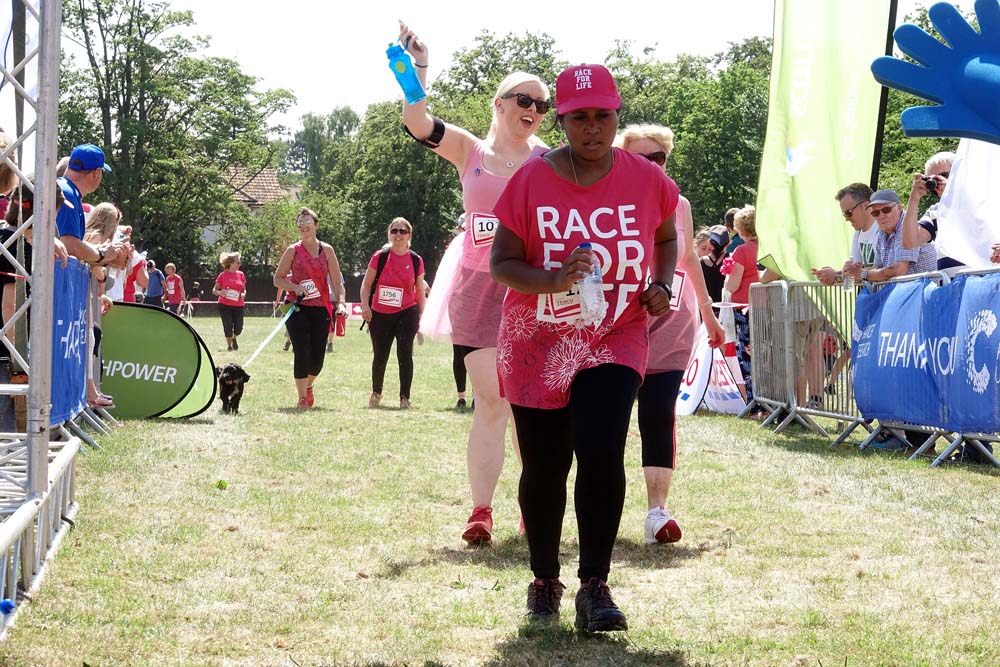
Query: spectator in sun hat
(84, 173)
(891, 259)
(571, 384)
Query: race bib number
(390, 296)
(484, 228)
(559, 308)
(231, 294)
(677, 289)
(170, 289)
(309, 286)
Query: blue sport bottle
(402, 67)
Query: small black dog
(231, 377)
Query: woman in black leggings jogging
(303, 270)
(392, 299)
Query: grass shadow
(654, 556)
(561, 645)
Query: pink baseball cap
(584, 87)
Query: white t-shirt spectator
(863, 246)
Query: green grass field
(336, 542)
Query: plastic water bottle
(848, 282)
(593, 306)
(406, 76)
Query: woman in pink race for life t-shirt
(572, 385)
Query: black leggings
(657, 423)
(594, 426)
(232, 319)
(458, 353)
(307, 328)
(401, 327)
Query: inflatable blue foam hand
(963, 77)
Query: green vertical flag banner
(821, 129)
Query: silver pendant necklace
(572, 165)
(510, 164)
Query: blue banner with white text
(930, 355)
(70, 353)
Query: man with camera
(918, 232)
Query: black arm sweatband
(434, 140)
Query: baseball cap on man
(86, 157)
(586, 87)
(883, 197)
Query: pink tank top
(671, 336)
(476, 300)
(307, 271)
(481, 189)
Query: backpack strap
(415, 259)
(383, 257)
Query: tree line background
(174, 122)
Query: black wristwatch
(100, 256)
(666, 288)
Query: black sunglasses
(848, 212)
(399, 231)
(525, 102)
(659, 157)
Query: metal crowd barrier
(800, 335)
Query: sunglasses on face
(848, 212)
(525, 102)
(403, 231)
(659, 157)
(880, 211)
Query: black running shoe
(236, 345)
(543, 599)
(596, 611)
(460, 404)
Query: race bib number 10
(484, 228)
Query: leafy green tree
(170, 121)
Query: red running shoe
(479, 530)
(310, 399)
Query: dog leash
(260, 348)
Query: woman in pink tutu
(474, 300)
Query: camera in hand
(931, 184)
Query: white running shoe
(661, 527)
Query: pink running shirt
(541, 345)
(232, 284)
(173, 288)
(396, 290)
(746, 255)
(306, 270)
(476, 299)
(671, 336)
